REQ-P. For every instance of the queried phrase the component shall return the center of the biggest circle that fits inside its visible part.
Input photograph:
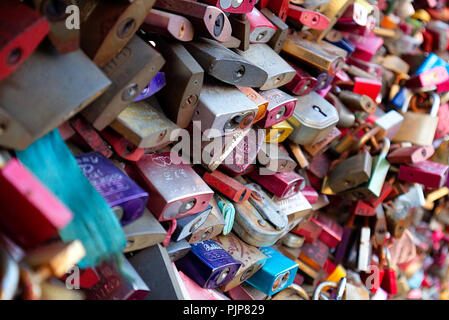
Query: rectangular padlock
(309, 18)
(163, 283)
(277, 40)
(258, 99)
(106, 28)
(251, 259)
(144, 125)
(295, 207)
(177, 249)
(226, 185)
(350, 172)
(241, 30)
(208, 264)
(208, 21)
(303, 83)
(187, 225)
(310, 194)
(322, 146)
(279, 7)
(365, 47)
(259, 221)
(168, 24)
(130, 71)
(427, 78)
(244, 154)
(122, 147)
(331, 231)
(63, 38)
(235, 6)
(369, 87)
(64, 97)
(276, 159)
(364, 209)
(18, 41)
(276, 274)
(123, 195)
(32, 213)
(211, 228)
(384, 193)
(143, 232)
(313, 119)
(261, 29)
(389, 124)
(175, 189)
(223, 110)
(410, 155)
(280, 107)
(279, 72)
(281, 184)
(114, 285)
(226, 65)
(312, 54)
(430, 174)
(278, 133)
(314, 254)
(185, 77)
(357, 102)
(309, 230)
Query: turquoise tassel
(228, 211)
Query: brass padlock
(418, 128)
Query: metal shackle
(435, 104)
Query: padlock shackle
(366, 137)
(385, 148)
(435, 104)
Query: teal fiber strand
(228, 211)
(94, 223)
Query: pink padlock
(281, 184)
(365, 47)
(432, 175)
(443, 121)
(331, 231)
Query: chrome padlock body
(313, 119)
(418, 128)
(212, 227)
(187, 225)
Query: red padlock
(21, 31)
(369, 87)
(261, 29)
(409, 155)
(365, 47)
(331, 231)
(90, 136)
(279, 7)
(430, 174)
(121, 146)
(303, 83)
(281, 184)
(233, 6)
(362, 208)
(389, 281)
(309, 18)
(387, 188)
(443, 120)
(310, 194)
(309, 230)
(228, 186)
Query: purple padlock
(123, 195)
(208, 264)
(156, 84)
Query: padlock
(164, 284)
(208, 21)
(241, 29)
(310, 194)
(187, 225)
(208, 264)
(369, 87)
(143, 232)
(351, 172)
(355, 101)
(389, 124)
(430, 174)
(331, 232)
(64, 96)
(123, 195)
(122, 147)
(89, 136)
(278, 70)
(277, 40)
(303, 83)
(114, 285)
(156, 84)
(346, 118)
(258, 99)
(410, 155)
(133, 124)
(259, 221)
(396, 220)
(244, 154)
(389, 281)
(177, 249)
(233, 6)
(226, 185)
(365, 47)
(333, 10)
(107, 28)
(251, 259)
(362, 208)
(295, 207)
(312, 54)
(227, 210)
(168, 24)
(40, 212)
(425, 125)
(245, 291)
(314, 254)
(428, 78)
(309, 230)
(276, 274)
(211, 228)
(184, 76)
(277, 161)
(322, 146)
(217, 121)
(165, 178)
(19, 41)
(262, 30)
(226, 65)
(281, 184)
(313, 119)
(308, 18)
(403, 250)
(364, 250)
(280, 107)
(130, 71)
(279, 7)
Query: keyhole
(319, 110)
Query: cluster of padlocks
(224, 149)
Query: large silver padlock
(418, 128)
